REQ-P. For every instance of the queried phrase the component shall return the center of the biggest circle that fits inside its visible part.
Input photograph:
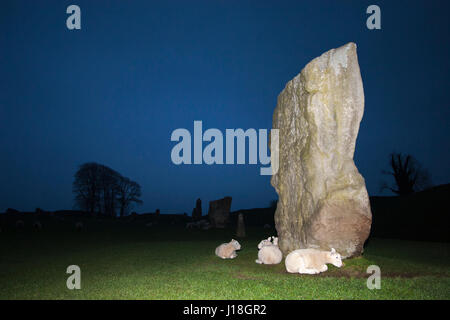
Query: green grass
(130, 261)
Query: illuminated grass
(130, 261)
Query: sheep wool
(311, 261)
(228, 250)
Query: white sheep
(269, 253)
(37, 226)
(19, 224)
(265, 242)
(311, 261)
(228, 250)
(79, 226)
(201, 224)
(206, 226)
(190, 225)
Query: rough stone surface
(240, 230)
(219, 212)
(323, 201)
(197, 212)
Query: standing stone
(323, 201)
(240, 232)
(219, 212)
(197, 212)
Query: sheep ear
(333, 250)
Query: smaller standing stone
(219, 212)
(240, 232)
(197, 212)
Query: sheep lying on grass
(311, 261)
(202, 224)
(228, 250)
(269, 253)
(79, 226)
(20, 224)
(37, 226)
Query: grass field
(127, 260)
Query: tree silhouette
(99, 189)
(86, 187)
(128, 192)
(409, 175)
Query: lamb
(269, 253)
(19, 224)
(311, 261)
(37, 225)
(206, 226)
(79, 226)
(190, 225)
(202, 224)
(228, 250)
(266, 242)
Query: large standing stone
(323, 201)
(219, 212)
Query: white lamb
(266, 242)
(269, 253)
(228, 250)
(37, 226)
(311, 261)
(79, 226)
(189, 225)
(19, 224)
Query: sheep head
(335, 258)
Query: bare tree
(108, 182)
(99, 189)
(128, 193)
(86, 187)
(409, 176)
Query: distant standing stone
(219, 212)
(197, 212)
(240, 232)
(323, 201)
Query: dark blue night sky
(114, 91)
